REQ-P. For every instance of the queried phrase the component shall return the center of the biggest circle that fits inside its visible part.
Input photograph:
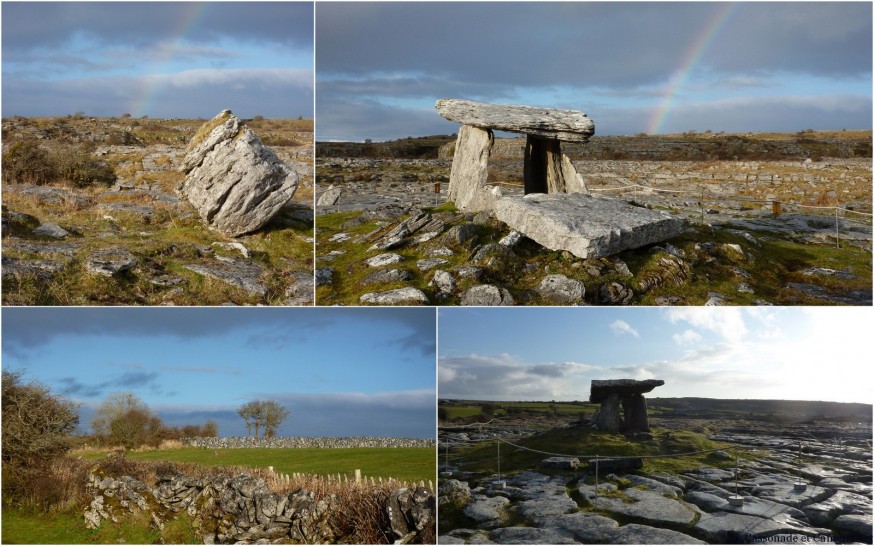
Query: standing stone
(469, 174)
(235, 182)
(637, 418)
(607, 417)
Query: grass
(25, 527)
(401, 463)
(587, 441)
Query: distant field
(401, 463)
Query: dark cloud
(25, 329)
(35, 25)
(197, 93)
(587, 43)
(377, 60)
(127, 381)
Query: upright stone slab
(585, 225)
(469, 174)
(235, 182)
(608, 417)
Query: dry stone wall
(293, 441)
(241, 509)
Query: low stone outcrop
(235, 182)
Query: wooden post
(357, 475)
(776, 209)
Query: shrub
(27, 162)
(89, 172)
(36, 426)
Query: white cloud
(622, 327)
(726, 322)
(687, 337)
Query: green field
(414, 463)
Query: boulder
(398, 296)
(486, 294)
(110, 261)
(235, 182)
(584, 225)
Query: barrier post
(596, 476)
(837, 231)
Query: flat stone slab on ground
(730, 528)
(650, 507)
(529, 535)
(110, 261)
(787, 494)
(241, 273)
(584, 225)
(644, 534)
(487, 511)
(398, 296)
(584, 527)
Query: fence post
(357, 475)
(776, 209)
(837, 231)
(596, 475)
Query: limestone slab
(585, 225)
(552, 123)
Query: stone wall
(301, 441)
(241, 509)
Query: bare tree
(124, 419)
(36, 423)
(248, 412)
(274, 414)
(263, 414)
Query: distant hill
(789, 411)
(688, 146)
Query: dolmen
(557, 210)
(235, 182)
(627, 394)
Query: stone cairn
(627, 393)
(557, 210)
(235, 182)
(546, 168)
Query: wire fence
(596, 459)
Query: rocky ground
(803, 483)
(135, 241)
(385, 237)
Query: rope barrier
(596, 457)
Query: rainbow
(192, 12)
(699, 46)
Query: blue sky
(655, 67)
(713, 352)
(161, 59)
(340, 372)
